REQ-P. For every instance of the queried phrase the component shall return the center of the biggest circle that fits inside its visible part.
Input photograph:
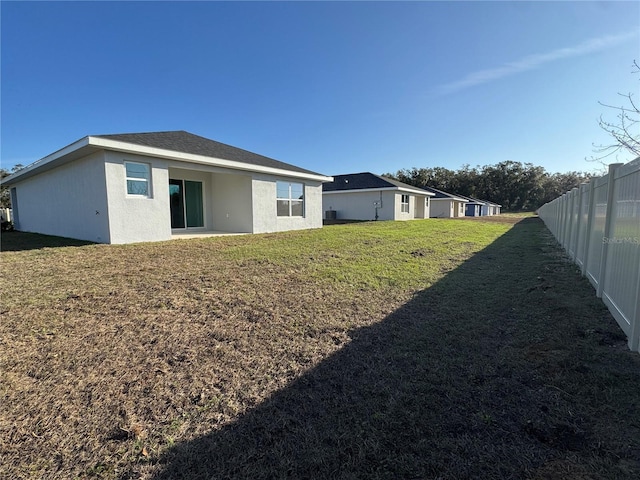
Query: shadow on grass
(496, 371)
(20, 241)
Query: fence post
(634, 337)
(607, 228)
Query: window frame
(404, 209)
(146, 180)
(289, 198)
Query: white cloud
(532, 62)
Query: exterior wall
(265, 218)
(399, 214)
(231, 203)
(67, 201)
(87, 199)
(421, 207)
(360, 205)
(132, 218)
(441, 208)
(472, 210)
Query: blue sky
(335, 87)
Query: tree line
(514, 185)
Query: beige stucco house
(141, 187)
(446, 205)
(366, 196)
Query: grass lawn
(429, 349)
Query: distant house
(446, 205)
(491, 208)
(476, 207)
(366, 196)
(473, 207)
(143, 187)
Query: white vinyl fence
(5, 215)
(598, 224)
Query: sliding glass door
(186, 202)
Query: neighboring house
(481, 207)
(446, 205)
(473, 207)
(491, 209)
(141, 187)
(366, 196)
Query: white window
(138, 178)
(404, 204)
(290, 199)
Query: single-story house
(141, 187)
(473, 208)
(446, 205)
(366, 196)
(477, 207)
(491, 208)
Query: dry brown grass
(225, 358)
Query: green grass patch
(373, 255)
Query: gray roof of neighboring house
(185, 142)
(486, 202)
(366, 180)
(439, 194)
(473, 200)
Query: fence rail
(598, 224)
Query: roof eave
(44, 162)
(125, 147)
(381, 189)
(455, 199)
(112, 145)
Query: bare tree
(625, 130)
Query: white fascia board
(202, 159)
(455, 199)
(361, 190)
(83, 142)
(417, 192)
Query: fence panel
(599, 217)
(5, 215)
(599, 227)
(622, 272)
(583, 222)
(573, 223)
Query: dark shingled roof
(441, 194)
(359, 181)
(185, 142)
